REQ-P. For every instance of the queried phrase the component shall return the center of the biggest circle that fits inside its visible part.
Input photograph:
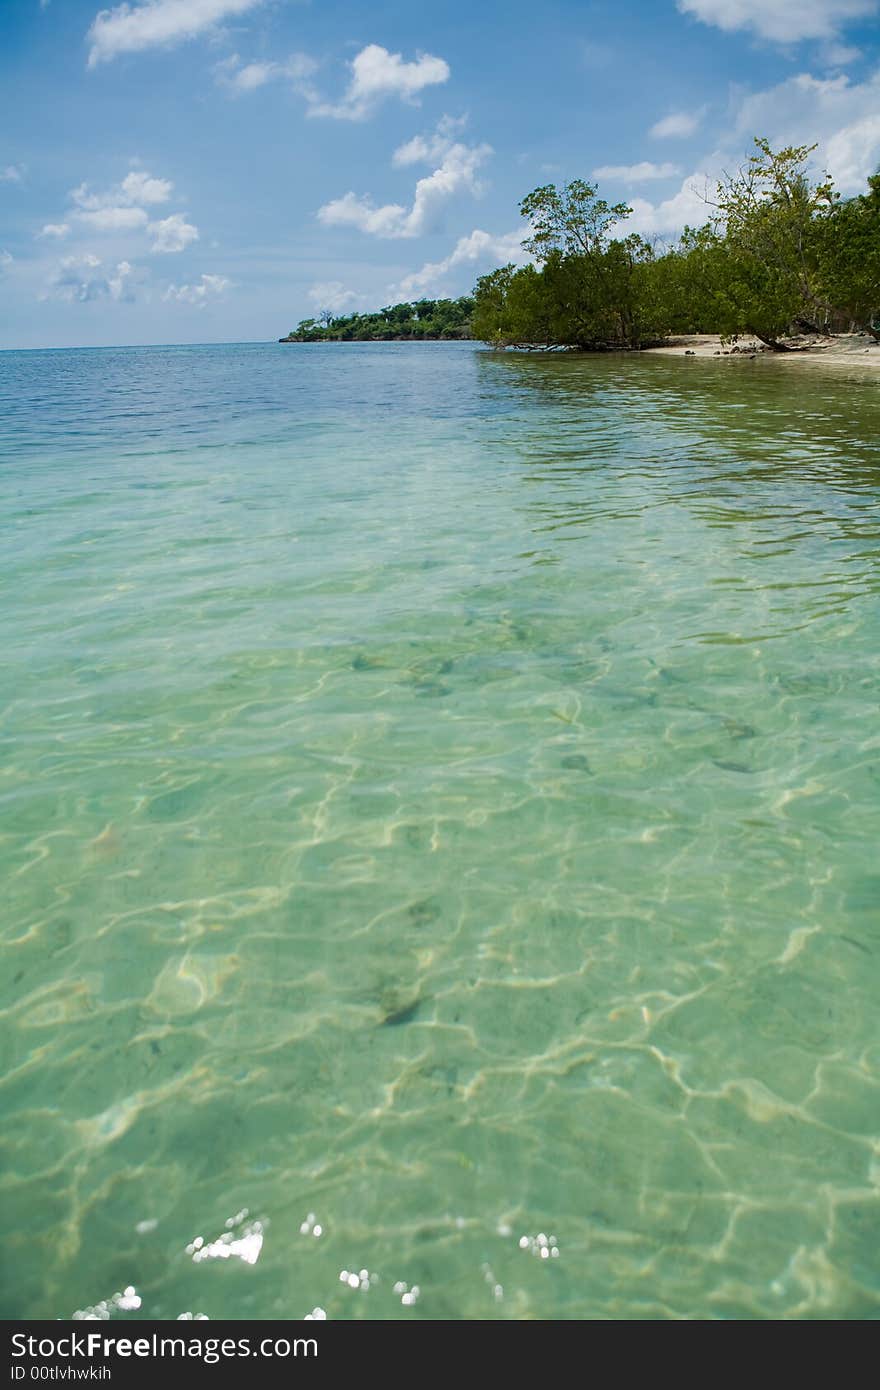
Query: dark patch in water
(406, 1014)
(432, 690)
(859, 945)
(737, 729)
(578, 762)
(423, 912)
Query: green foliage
(766, 217)
(425, 319)
(849, 257)
(605, 298)
(573, 220)
(779, 254)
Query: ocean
(439, 823)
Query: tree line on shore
(442, 319)
(780, 254)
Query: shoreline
(851, 350)
(842, 350)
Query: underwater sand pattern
(438, 820)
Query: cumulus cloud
(356, 210)
(120, 209)
(478, 247)
(376, 75)
(424, 149)
(334, 297)
(13, 173)
(841, 116)
(83, 279)
(208, 287)
(783, 21)
(114, 219)
(455, 173)
(688, 207)
(172, 234)
(678, 124)
(852, 154)
(636, 173)
(141, 188)
(156, 23)
(6, 260)
(138, 189)
(238, 77)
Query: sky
(178, 171)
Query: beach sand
(846, 349)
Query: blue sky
(215, 170)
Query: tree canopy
(780, 253)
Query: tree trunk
(773, 343)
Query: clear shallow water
(440, 792)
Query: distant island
(426, 320)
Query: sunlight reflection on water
(439, 815)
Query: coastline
(849, 350)
(843, 350)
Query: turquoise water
(439, 809)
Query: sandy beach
(843, 350)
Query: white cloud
(678, 124)
(124, 209)
(477, 247)
(784, 21)
(117, 283)
(687, 207)
(209, 287)
(6, 259)
(841, 116)
(852, 154)
(244, 77)
(137, 189)
(636, 173)
(173, 234)
(83, 279)
(422, 149)
(114, 219)
(333, 296)
(13, 173)
(354, 210)
(414, 151)
(456, 173)
(156, 23)
(240, 77)
(377, 74)
(141, 188)
(839, 55)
